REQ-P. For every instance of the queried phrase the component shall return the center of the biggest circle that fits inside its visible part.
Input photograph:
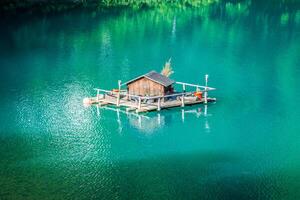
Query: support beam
(119, 91)
(158, 104)
(140, 103)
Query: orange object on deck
(198, 94)
(115, 90)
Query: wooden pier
(142, 103)
(140, 106)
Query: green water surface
(247, 146)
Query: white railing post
(205, 92)
(183, 87)
(182, 100)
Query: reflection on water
(149, 124)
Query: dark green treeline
(46, 6)
(53, 6)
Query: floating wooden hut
(152, 91)
(150, 84)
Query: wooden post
(118, 95)
(158, 104)
(182, 97)
(119, 85)
(140, 103)
(205, 92)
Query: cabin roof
(156, 77)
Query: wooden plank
(130, 109)
(146, 107)
(172, 104)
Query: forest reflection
(275, 12)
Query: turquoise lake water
(245, 147)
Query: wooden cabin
(150, 84)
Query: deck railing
(159, 98)
(183, 94)
(194, 85)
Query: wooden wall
(145, 87)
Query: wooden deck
(146, 107)
(121, 98)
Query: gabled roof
(156, 77)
